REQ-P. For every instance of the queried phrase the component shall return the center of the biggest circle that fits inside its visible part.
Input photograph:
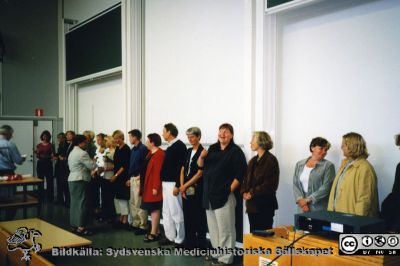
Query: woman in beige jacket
(354, 189)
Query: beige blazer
(358, 191)
(80, 165)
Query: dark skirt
(79, 211)
(151, 206)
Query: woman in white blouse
(313, 178)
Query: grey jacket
(80, 165)
(319, 184)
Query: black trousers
(94, 193)
(61, 174)
(45, 170)
(262, 220)
(107, 199)
(195, 222)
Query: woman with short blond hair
(354, 189)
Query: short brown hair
(155, 139)
(172, 129)
(227, 126)
(318, 141)
(356, 145)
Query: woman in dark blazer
(261, 182)
(150, 185)
(192, 192)
(121, 165)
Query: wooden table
(309, 241)
(23, 200)
(52, 236)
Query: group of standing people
(196, 190)
(46, 153)
(193, 188)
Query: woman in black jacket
(121, 165)
(192, 192)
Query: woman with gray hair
(260, 183)
(313, 178)
(192, 191)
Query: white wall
(338, 72)
(195, 67)
(101, 106)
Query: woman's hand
(305, 208)
(113, 179)
(155, 192)
(247, 196)
(182, 189)
(302, 202)
(128, 183)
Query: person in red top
(44, 153)
(150, 185)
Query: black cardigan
(121, 159)
(221, 167)
(175, 157)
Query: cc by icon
(348, 244)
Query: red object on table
(14, 177)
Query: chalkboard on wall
(273, 3)
(95, 45)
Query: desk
(23, 200)
(309, 242)
(52, 236)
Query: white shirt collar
(170, 143)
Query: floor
(106, 236)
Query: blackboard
(273, 3)
(94, 45)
